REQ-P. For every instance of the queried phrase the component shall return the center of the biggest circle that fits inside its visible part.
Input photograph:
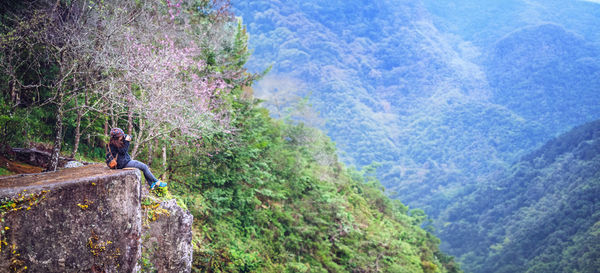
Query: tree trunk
(136, 146)
(129, 114)
(150, 155)
(13, 93)
(77, 134)
(164, 162)
(130, 122)
(80, 113)
(106, 130)
(113, 118)
(137, 142)
(58, 137)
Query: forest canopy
(164, 67)
(267, 195)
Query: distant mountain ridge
(546, 74)
(387, 84)
(444, 95)
(540, 216)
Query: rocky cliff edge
(90, 219)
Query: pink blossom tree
(159, 77)
(167, 67)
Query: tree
(159, 78)
(144, 61)
(48, 52)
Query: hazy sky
(593, 1)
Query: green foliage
(267, 195)
(145, 263)
(4, 171)
(161, 192)
(20, 125)
(271, 197)
(438, 113)
(447, 115)
(540, 216)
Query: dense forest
(540, 216)
(446, 96)
(437, 97)
(274, 121)
(267, 195)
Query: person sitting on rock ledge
(119, 144)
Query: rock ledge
(88, 219)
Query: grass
(4, 171)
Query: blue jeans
(147, 174)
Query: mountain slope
(443, 100)
(546, 74)
(273, 198)
(540, 216)
(266, 195)
(485, 22)
(387, 84)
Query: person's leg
(147, 174)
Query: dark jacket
(123, 158)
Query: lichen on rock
(166, 236)
(86, 219)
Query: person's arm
(123, 150)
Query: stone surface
(166, 238)
(37, 157)
(73, 164)
(86, 219)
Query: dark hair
(117, 142)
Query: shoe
(159, 183)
